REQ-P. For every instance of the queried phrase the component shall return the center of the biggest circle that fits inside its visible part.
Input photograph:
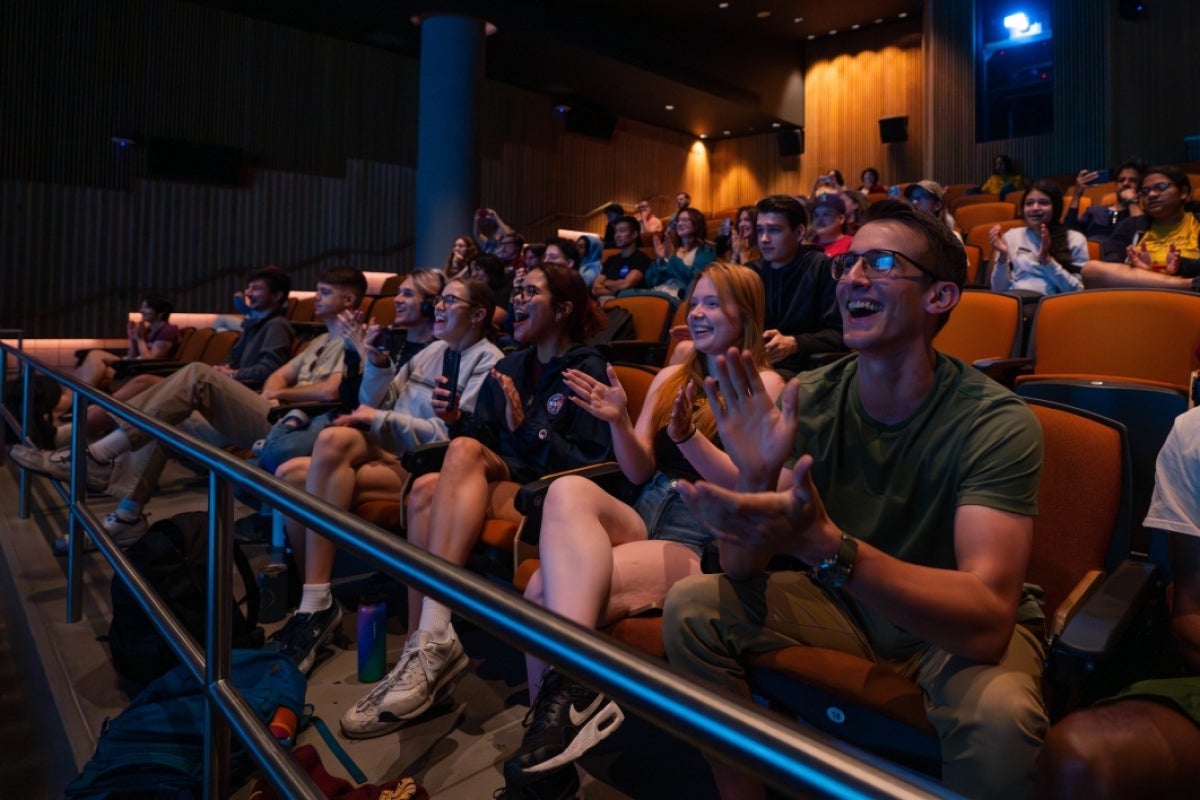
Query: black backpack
(46, 394)
(173, 557)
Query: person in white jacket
(357, 457)
(1044, 256)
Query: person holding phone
(522, 426)
(1099, 221)
(356, 458)
(601, 558)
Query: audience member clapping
(1044, 256)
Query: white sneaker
(424, 669)
(123, 532)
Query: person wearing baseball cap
(931, 197)
(829, 224)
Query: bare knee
(572, 496)
(464, 454)
(420, 501)
(1075, 761)
(294, 471)
(534, 591)
(336, 444)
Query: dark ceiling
(721, 65)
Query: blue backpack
(154, 749)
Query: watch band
(834, 571)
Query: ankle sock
(435, 620)
(129, 510)
(315, 597)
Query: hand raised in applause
(756, 434)
(1139, 257)
(604, 401)
(1044, 249)
(682, 425)
(999, 245)
(514, 410)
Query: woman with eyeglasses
(356, 458)
(1161, 248)
(675, 265)
(462, 252)
(523, 426)
(1044, 256)
(600, 558)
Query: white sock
(316, 597)
(111, 446)
(435, 620)
(129, 510)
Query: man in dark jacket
(802, 314)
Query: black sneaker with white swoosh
(566, 721)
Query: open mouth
(520, 316)
(863, 308)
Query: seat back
(1076, 531)
(985, 324)
(193, 346)
(651, 315)
(1147, 335)
(219, 346)
(974, 261)
(979, 236)
(304, 310)
(965, 200)
(636, 380)
(968, 216)
(1147, 412)
(382, 312)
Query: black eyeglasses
(876, 264)
(527, 292)
(450, 301)
(1157, 188)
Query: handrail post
(26, 420)
(75, 537)
(217, 659)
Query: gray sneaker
(424, 669)
(123, 532)
(302, 636)
(57, 464)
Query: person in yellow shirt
(1161, 248)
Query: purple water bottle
(372, 639)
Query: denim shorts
(667, 517)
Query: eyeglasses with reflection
(876, 264)
(1156, 188)
(526, 292)
(451, 301)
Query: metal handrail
(762, 743)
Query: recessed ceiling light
(798, 20)
(722, 5)
(812, 36)
(726, 133)
(669, 107)
(704, 136)
(879, 21)
(833, 32)
(855, 27)
(763, 14)
(903, 14)
(774, 124)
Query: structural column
(451, 82)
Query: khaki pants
(989, 717)
(236, 412)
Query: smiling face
(554, 255)
(534, 310)
(745, 225)
(715, 326)
(1038, 209)
(623, 235)
(885, 315)
(454, 317)
(777, 239)
(408, 305)
(259, 297)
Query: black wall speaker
(174, 160)
(591, 122)
(791, 142)
(1131, 9)
(893, 129)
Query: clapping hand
(996, 237)
(1173, 260)
(681, 426)
(606, 402)
(1044, 249)
(1139, 257)
(514, 411)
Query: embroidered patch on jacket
(555, 403)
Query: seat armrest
(1110, 610)
(1087, 585)
(532, 495)
(129, 367)
(424, 459)
(1004, 370)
